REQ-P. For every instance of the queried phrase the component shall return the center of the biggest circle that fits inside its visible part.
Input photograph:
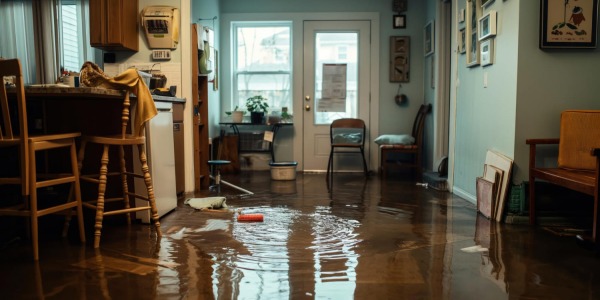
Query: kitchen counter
(55, 90)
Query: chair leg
(148, 181)
(330, 166)
(362, 152)
(531, 200)
(101, 193)
(33, 205)
(125, 187)
(77, 187)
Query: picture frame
(566, 25)
(486, 3)
(473, 9)
(399, 59)
(487, 25)
(428, 40)
(487, 52)
(399, 21)
(462, 39)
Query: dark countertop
(45, 89)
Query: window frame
(236, 73)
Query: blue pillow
(395, 139)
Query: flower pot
(237, 116)
(257, 117)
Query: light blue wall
(549, 82)
(485, 117)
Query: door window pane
(336, 48)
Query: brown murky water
(368, 239)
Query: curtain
(47, 40)
(39, 44)
(17, 38)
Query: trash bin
(283, 170)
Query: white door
(334, 51)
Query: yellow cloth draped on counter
(132, 82)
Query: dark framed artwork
(399, 21)
(568, 24)
(428, 41)
(473, 8)
(462, 39)
(399, 58)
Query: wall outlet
(164, 54)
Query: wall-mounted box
(161, 26)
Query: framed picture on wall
(471, 34)
(487, 25)
(487, 52)
(462, 47)
(399, 58)
(399, 21)
(564, 24)
(428, 40)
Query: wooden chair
(578, 165)
(27, 147)
(348, 136)
(413, 149)
(120, 141)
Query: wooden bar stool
(130, 82)
(27, 146)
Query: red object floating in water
(250, 218)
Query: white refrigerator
(160, 151)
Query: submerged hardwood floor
(367, 239)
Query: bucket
(283, 170)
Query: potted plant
(257, 106)
(236, 115)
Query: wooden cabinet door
(114, 25)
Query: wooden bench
(578, 160)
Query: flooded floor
(368, 239)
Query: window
(75, 48)
(262, 63)
(19, 35)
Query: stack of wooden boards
(492, 187)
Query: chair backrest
(579, 134)
(419, 123)
(347, 131)
(12, 68)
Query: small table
(274, 128)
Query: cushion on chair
(579, 134)
(395, 139)
(347, 138)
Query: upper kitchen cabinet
(114, 25)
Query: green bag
(204, 63)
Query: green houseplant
(257, 106)
(237, 115)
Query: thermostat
(164, 54)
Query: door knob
(307, 98)
(307, 108)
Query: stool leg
(218, 180)
(101, 192)
(148, 181)
(124, 185)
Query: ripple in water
(322, 251)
